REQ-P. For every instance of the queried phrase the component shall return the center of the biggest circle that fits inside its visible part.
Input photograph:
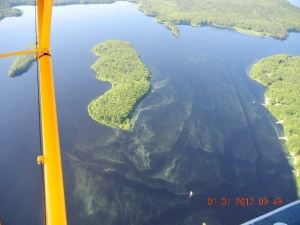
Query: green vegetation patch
(8, 12)
(6, 9)
(120, 65)
(263, 17)
(173, 28)
(281, 74)
(22, 63)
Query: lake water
(203, 129)
(295, 2)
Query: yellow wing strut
(54, 186)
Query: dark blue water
(203, 129)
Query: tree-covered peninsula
(22, 63)
(120, 65)
(259, 17)
(281, 75)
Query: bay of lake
(203, 129)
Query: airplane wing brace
(51, 158)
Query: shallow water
(203, 129)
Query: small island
(22, 63)
(120, 65)
(281, 75)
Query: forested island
(22, 63)
(281, 75)
(259, 17)
(120, 65)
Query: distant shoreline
(175, 30)
(243, 16)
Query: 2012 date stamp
(244, 201)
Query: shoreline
(237, 29)
(277, 99)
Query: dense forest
(266, 18)
(281, 75)
(120, 65)
(260, 17)
(22, 63)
